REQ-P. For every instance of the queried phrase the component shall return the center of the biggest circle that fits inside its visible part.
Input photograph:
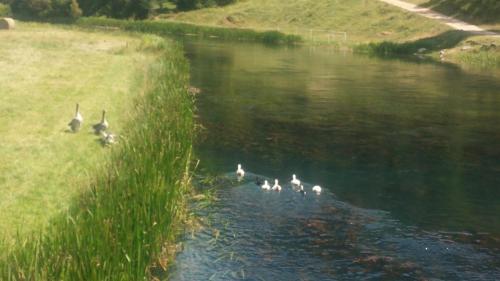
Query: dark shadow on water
(409, 51)
(445, 40)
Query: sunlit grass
(121, 215)
(44, 71)
(363, 20)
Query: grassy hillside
(370, 26)
(363, 20)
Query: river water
(407, 153)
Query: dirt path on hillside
(428, 13)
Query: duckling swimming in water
(317, 189)
(295, 181)
(240, 172)
(301, 190)
(276, 186)
(266, 185)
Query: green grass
(123, 213)
(460, 47)
(478, 52)
(173, 29)
(44, 71)
(363, 20)
(370, 25)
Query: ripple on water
(253, 234)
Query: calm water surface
(408, 155)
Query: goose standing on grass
(295, 181)
(317, 189)
(76, 123)
(276, 186)
(266, 186)
(239, 172)
(101, 126)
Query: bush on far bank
(5, 10)
(46, 9)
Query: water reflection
(419, 140)
(411, 152)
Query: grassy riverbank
(458, 47)
(112, 209)
(369, 26)
(164, 28)
(44, 71)
(363, 20)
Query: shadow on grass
(478, 11)
(445, 40)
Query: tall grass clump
(480, 58)
(116, 229)
(165, 28)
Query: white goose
(103, 125)
(266, 186)
(240, 172)
(295, 181)
(276, 186)
(76, 123)
(317, 189)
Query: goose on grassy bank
(101, 126)
(76, 123)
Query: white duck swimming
(76, 123)
(266, 186)
(317, 189)
(276, 186)
(101, 126)
(240, 172)
(295, 181)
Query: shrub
(185, 5)
(45, 9)
(4, 10)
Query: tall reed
(116, 229)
